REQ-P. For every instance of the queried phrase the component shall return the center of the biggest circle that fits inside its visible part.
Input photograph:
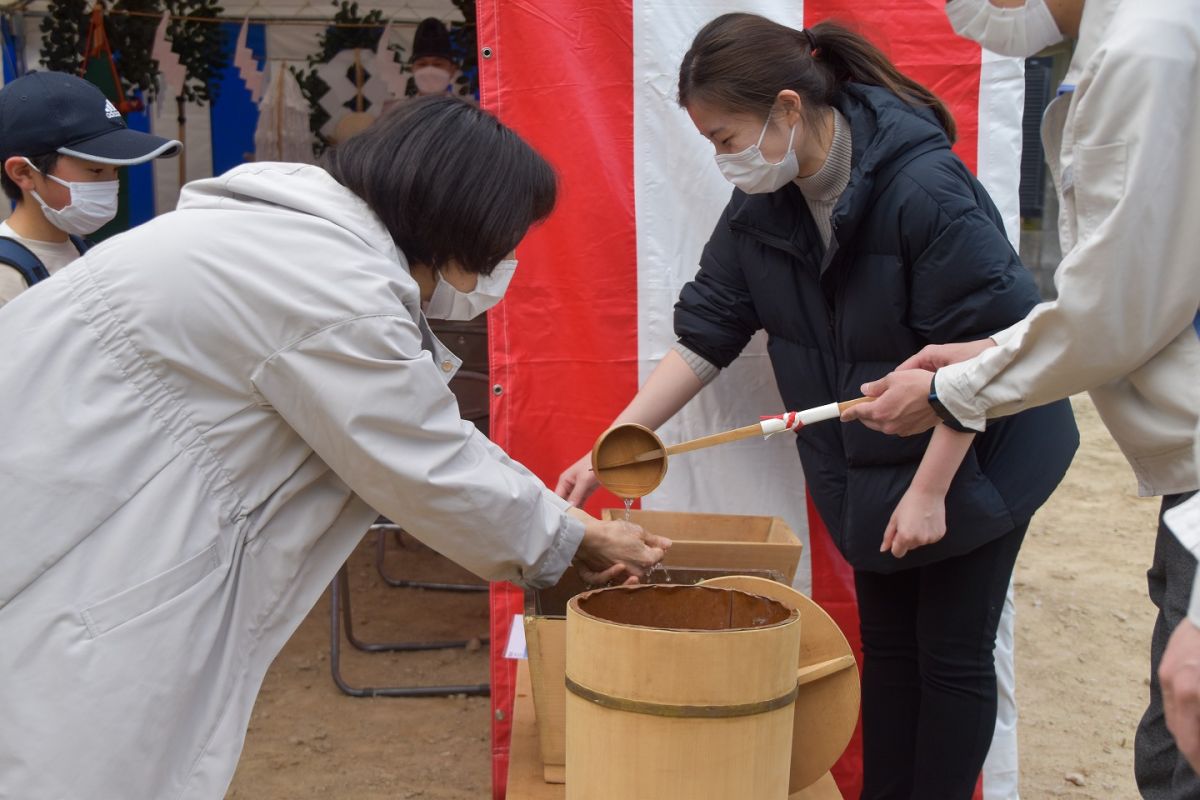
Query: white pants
(1000, 770)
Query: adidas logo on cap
(110, 110)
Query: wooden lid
(828, 699)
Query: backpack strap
(81, 244)
(22, 259)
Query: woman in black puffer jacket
(854, 238)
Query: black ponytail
(741, 62)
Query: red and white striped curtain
(591, 84)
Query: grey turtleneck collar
(822, 189)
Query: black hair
(448, 180)
(43, 164)
(741, 62)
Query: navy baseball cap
(53, 112)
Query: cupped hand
(919, 520)
(610, 550)
(577, 482)
(614, 574)
(901, 405)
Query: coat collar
(886, 133)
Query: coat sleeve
(966, 282)
(715, 315)
(1130, 285)
(373, 405)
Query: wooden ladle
(631, 461)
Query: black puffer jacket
(918, 256)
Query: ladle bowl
(619, 445)
(630, 460)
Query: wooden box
(725, 541)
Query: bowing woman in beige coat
(200, 419)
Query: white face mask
(451, 304)
(431, 80)
(750, 171)
(93, 205)
(1021, 31)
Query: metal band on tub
(681, 712)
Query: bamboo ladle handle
(709, 441)
(734, 435)
(851, 403)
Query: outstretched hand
(933, 357)
(901, 405)
(577, 482)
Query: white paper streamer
(247, 65)
(173, 72)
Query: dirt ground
(1083, 629)
(1083, 626)
(308, 740)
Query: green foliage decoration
(198, 42)
(200, 45)
(63, 30)
(351, 29)
(132, 39)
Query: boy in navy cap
(61, 144)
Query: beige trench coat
(198, 422)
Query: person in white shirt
(1122, 147)
(432, 61)
(215, 407)
(61, 145)
(1179, 672)
(54, 255)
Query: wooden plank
(824, 789)
(525, 779)
(547, 667)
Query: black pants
(1162, 772)
(929, 677)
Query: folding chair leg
(343, 581)
(382, 529)
(339, 612)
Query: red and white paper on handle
(795, 420)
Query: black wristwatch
(943, 413)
